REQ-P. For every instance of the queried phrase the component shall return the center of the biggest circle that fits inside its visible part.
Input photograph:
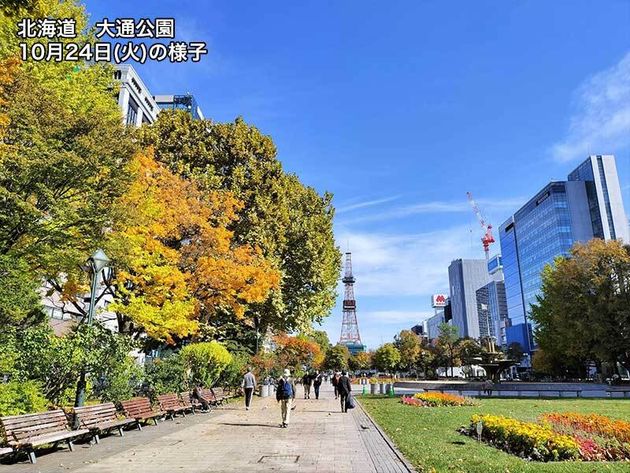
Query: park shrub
(442, 400)
(118, 381)
(205, 361)
(232, 375)
(165, 375)
(526, 439)
(21, 398)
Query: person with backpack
(285, 394)
(317, 382)
(344, 387)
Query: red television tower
(349, 326)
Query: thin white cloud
(437, 207)
(397, 317)
(601, 121)
(367, 203)
(408, 264)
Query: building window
(132, 112)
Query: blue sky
(400, 107)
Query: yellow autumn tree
(177, 263)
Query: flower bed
(592, 424)
(525, 439)
(599, 437)
(436, 400)
(556, 437)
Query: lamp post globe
(100, 260)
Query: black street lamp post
(95, 264)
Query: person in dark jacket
(317, 382)
(307, 380)
(335, 382)
(344, 388)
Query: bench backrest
(207, 394)
(185, 399)
(21, 427)
(90, 416)
(169, 401)
(219, 392)
(137, 406)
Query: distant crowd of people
(286, 390)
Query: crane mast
(486, 227)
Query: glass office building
(588, 205)
(492, 312)
(465, 277)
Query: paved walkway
(231, 439)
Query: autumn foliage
(178, 263)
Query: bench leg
(155, 420)
(97, 439)
(139, 425)
(71, 445)
(120, 431)
(31, 456)
(184, 413)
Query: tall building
(492, 311)
(603, 193)
(185, 102)
(465, 277)
(433, 325)
(134, 99)
(588, 205)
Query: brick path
(231, 439)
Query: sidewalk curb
(388, 441)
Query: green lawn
(429, 440)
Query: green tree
(449, 334)
(321, 338)
(584, 306)
(361, 361)
(20, 303)
(290, 222)
(337, 357)
(386, 358)
(515, 352)
(408, 345)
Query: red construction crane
(487, 237)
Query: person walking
(344, 387)
(306, 382)
(335, 382)
(249, 384)
(285, 394)
(317, 382)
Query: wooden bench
(171, 404)
(188, 402)
(207, 395)
(139, 408)
(221, 395)
(27, 431)
(100, 418)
